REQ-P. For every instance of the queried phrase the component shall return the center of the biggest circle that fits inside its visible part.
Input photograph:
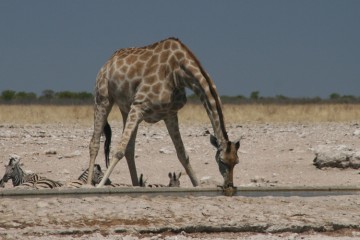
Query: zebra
(44, 183)
(14, 172)
(82, 179)
(2, 183)
(142, 183)
(174, 181)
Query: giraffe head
(226, 158)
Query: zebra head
(98, 176)
(174, 179)
(12, 170)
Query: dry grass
(260, 113)
(39, 114)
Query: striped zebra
(14, 172)
(45, 183)
(82, 179)
(2, 183)
(142, 183)
(174, 181)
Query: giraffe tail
(107, 143)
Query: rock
(42, 204)
(356, 132)
(355, 160)
(51, 152)
(74, 154)
(209, 181)
(340, 156)
(166, 151)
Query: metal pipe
(184, 192)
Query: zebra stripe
(47, 183)
(174, 181)
(142, 183)
(82, 179)
(2, 183)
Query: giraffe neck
(212, 104)
(200, 82)
(205, 89)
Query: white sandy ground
(270, 155)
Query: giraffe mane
(210, 84)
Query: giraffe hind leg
(101, 112)
(133, 119)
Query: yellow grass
(234, 114)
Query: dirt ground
(270, 155)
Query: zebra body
(173, 182)
(156, 185)
(44, 183)
(142, 183)
(82, 179)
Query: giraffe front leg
(132, 122)
(130, 152)
(172, 125)
(130, 158)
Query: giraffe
(148, 84)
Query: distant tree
(281, 97)
(316, 99)
(65, 95)
(8, 95)
(334, 96)
(48, 94)
(84, 95)
(255, 95)
(348, 98)
(25, 96)
(240, 97)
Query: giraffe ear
(214, 141)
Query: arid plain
(277, 149)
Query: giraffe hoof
(229, 191)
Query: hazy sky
(298, 48)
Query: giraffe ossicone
(148, 84)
